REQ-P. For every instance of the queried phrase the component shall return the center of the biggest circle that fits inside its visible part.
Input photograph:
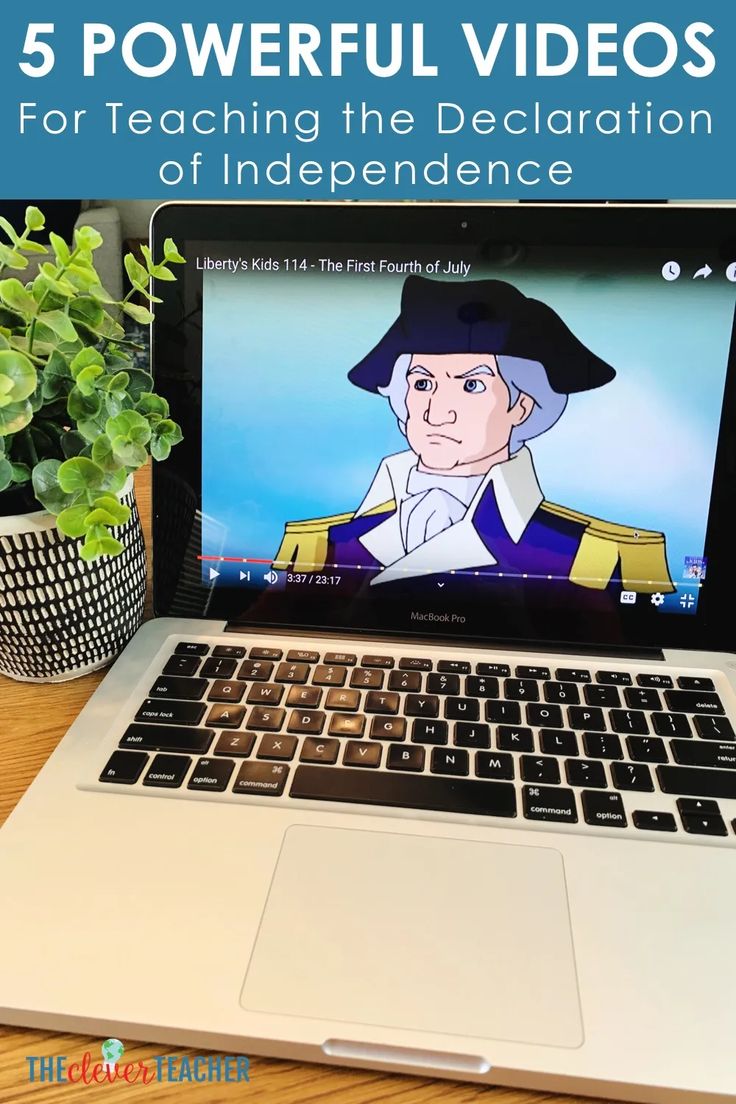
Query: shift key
(155, 737)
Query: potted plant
(77, 419)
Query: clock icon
(671, 270)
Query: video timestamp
(308, 578)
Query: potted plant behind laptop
(77, 419)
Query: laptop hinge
(396, 640)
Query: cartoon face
(458, 416)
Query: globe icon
(112, 1050)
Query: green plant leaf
(86, 237)
(116, 402)
(171, 253)
(15, 417)
(83, 407)
(45, 480)
(166, 434)
(140, 382)
(148, 404)
(139, 314)
(47, 280)
(15, 296)
(10, 258)
(34, 247)
(18, 370)
(98, 292)
(10, 230)
(147, 256)
(137, 274)
(85, 358)
(119, 511)
(6, 473)
(114, 481)
(117, 383)
(94, 547)
(72, 444)
(161, 272)
(131, 426)
(102, 516)
(88, 311)
(60, 248)
(102, 453)
(21, 472)
(87, 379)
(60, 323)
(128, 454)
(79, 475)
(35, 219)
(71, 522)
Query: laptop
(427, 761)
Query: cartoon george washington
(473, 371)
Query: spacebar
(405, 791)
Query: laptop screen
(411, 422)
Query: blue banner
(523, 100)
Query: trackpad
(427, 934)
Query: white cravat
(434, 503)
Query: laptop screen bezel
(176, 354)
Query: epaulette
(304, 544)
(641, 554)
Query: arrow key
(654, 822)
(697, 806)
(705, 825)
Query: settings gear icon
(657, 599)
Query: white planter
(59, 616)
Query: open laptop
(428, 760)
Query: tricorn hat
(482, 316)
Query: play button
(214, 574)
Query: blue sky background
(286, 436)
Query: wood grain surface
(39, 716)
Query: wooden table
(41, 715)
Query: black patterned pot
(59, 616)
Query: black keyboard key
(462, 709)
(406, 681)
(361, 755)
(642, 698)
(545, 716)
(192, 647)
(671, 724)
(342, 659)
(239, 744)
(604, 809)
(266, 718)
(388, 728)
(327, 674)
(496, 670)
(166, 738)
(693, 753)
(226, 716)
(219, 668)
(606, 696)
(632, 776)
(558, 742)
(347, 724)
(714, 728)
(586, 773)
(266, 653)
(381, 701)
(292, 672)
(211, 775)
(549, 804)
(503, 712)
(453, 667)
(688, 701)
(406, 791)
(229, 651)
(167, 771)
(123, 768)
(261, 779)
(521, 690)
(414, 663)
(442, 683)
(319, 751)
(450, 761)
(541, 769)
(472, 735)
(705, 825)
(629, 722)
(563, 693)
(377, 661)
(494, 764)
(690, 682)
(364, 679)
(478, 686)
(174, 686)
(256, 670)
(405, 758)
(538, 673)
(614, 678)
(306, 697)
(302, 655)
(654, 821)
(421, 705)
(265, 693)
(182, 665)
(310, 721)
(571, 674)
(697, 806)
(429, 732)
(602, 745)
(655, 682)
(276, 747)
(225, 690)
(158, 711)
(582, 716)
(697, 782)
(647, 749)
(346, 701)
(512, 738)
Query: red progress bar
(234, 559)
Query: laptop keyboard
(612, 749)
